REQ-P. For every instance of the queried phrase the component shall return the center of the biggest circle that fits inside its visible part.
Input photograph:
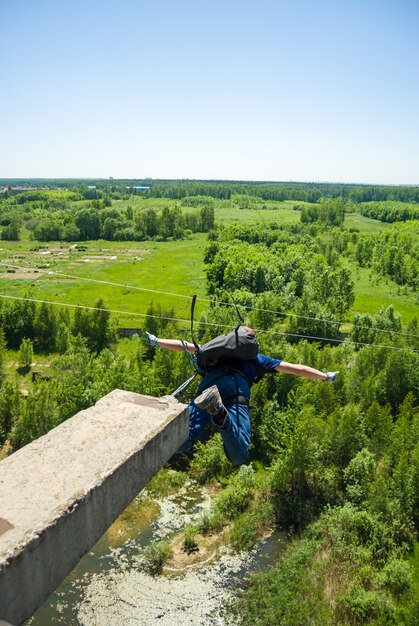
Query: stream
(111, 584)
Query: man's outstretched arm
(305, 371)
(170, 344)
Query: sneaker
(210, 400)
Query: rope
(208, 300)
(177, 319)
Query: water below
(110, 585)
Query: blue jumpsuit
(234, 381)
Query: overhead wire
(179, 295)
(177, 319)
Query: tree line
(390, 211)
(224, 189)
(55, 220)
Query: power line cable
(50, 272)
(180, 295)
(177, 319)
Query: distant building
(139, 187)
(15, 190)
(130, 332)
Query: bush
(248, 526)
(189, 542)
(178, 479)
(359, 606)
(396, 576)
(157, 553)
(358, 476)
(237, 496)
(283, 595)
(209, 460)
(208, 523)
(354, 534)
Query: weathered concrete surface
(60, 493)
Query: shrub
(283, 595)
(396, 576)
(189, 542)
(157, 553)
(358, 606)
(248, 526)
(354, 534)
(208, 523)
(237, 495)
(178, 479)
(358, 476)
(209, 460)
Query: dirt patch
(208, 549)
(21, 274)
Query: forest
(335, 466)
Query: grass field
(173, 267)
(365, 224)
(372, 293)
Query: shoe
(210, 400)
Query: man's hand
(151, 340)
(331, 377)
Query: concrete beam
(60, 493)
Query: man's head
(249, 330)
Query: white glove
(151, 340)
(331, 377)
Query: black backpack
(240, 344)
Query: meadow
(173, 267)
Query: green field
(173, 267)
(365, 224)
(374, 292)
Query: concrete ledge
(60, 493)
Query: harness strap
(192, 315)
(191, 357)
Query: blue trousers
(235, 432)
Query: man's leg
(232, 422)
(235, 433)
(198, 421)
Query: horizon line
(206, 180)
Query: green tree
(63, 337)
(87, 221)
(39, 415)
(81, 323)
(45, 327)
(18, 322)
(101, 334)
(11, 232)
(207, 215)
(26, 353)
(2, 356)
(10, 406)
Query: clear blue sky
(324, 90)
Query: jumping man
(224, 395)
